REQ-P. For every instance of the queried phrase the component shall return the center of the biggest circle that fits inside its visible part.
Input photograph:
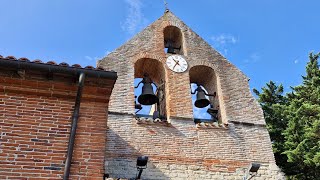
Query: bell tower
(169, 57)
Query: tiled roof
(63, 64)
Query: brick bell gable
(180, 149)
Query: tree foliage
(293, 121)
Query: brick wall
(180, 150)
(89, 150)
(35, 121)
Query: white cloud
(296, 60)
(88, 58)
(223, 41)
(253, 58)
(3, 51)
(135, 18)
(96, 58)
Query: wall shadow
(180, 150)
(121, 158)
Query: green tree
(273, 102)
(293, 121)
(302, 134)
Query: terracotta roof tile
(24, 59)
(51, 63)
(89, 67)
(76, 66)
(64, 64)
(11, 58)
(37, 61)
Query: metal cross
(166, 5)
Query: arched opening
(154, 71)
(173, 40)
(203, 84)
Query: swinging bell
(201, 101)
(147, 96)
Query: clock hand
(177, 63)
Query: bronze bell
(171, 50)
(201, 101)
(170, 45)
(147, 96)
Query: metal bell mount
(137, 106)
(213, 113)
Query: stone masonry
(179, 149)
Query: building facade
(177, 147)
(38, 109)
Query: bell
(170, 50)
(201, 101)
(147, 96)
(170, 45)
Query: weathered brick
(180, 150)
(35, 126)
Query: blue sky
(267, 39)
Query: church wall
(180, 149)
(35, 122)
(236, 101)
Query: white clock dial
(177, 63)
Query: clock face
(177, 63)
